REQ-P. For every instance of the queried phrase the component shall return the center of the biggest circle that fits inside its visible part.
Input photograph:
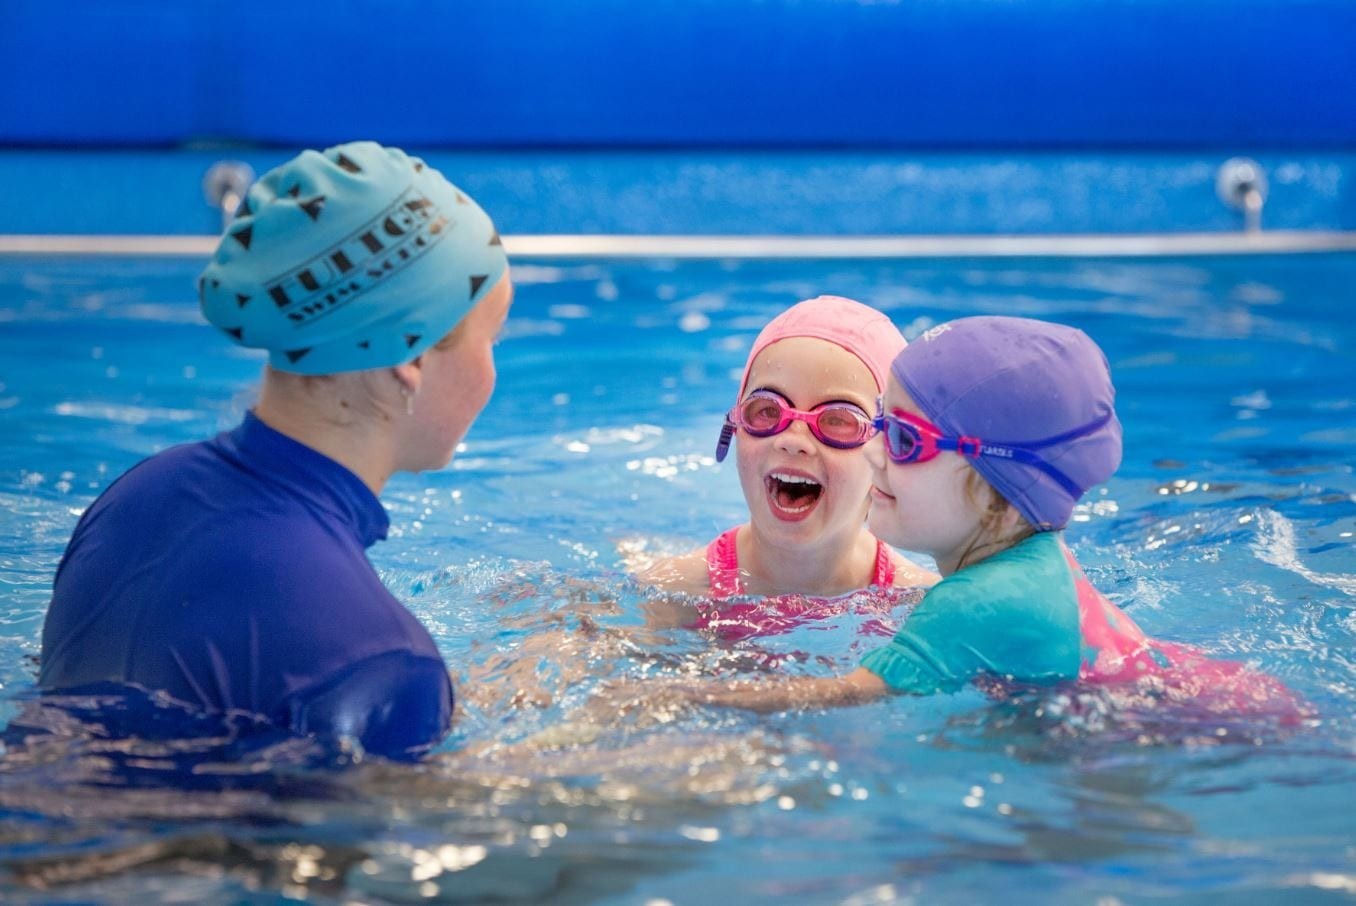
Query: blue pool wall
(723, 192)
(920, 74)
(835, 117)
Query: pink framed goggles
(909, 438)
(763, 413)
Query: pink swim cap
(860, 329)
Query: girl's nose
(796, 438)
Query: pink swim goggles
(763, 413)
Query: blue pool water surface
(1229, 526)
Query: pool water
(1229, 526)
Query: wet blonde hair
(992, 508)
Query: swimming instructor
(231, 574)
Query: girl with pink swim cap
(799, 424)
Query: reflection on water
(83, 805)
(1230, 526)
(529, 808)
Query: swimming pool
(1230, 525)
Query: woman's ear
(410, 376)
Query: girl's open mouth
(792, 496)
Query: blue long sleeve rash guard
(232, 575)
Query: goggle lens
(761, 416)
(901, 440)
(907, 437)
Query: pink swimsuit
(1115, 649)
(774, 615)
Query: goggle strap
(723, 443)
(1024, 454)
(1061, 438)
(1031, 459)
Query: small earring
(409, 401)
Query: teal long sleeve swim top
(1013, 615)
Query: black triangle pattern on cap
(244, 209)
(237, 332)
(296, 355)
(216, 284)
(345, 164)
(243, 236)
(411, 339)
(495, 240)
(477, 282)
(294, 191)
(313, 206)
(241, 300)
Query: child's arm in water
(784, 693)
(765, 695)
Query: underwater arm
(651, 702)
(784, 693)
(669, 613)
(659, 700)
(671, 582)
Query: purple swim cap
(1020, 382)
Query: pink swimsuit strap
(885, 566)
(722, 566)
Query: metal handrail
(564, 245)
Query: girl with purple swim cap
(799, 424)
(991, 430)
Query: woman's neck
(321, 418)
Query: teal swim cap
(352, 258)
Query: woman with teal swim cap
(230, 575)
